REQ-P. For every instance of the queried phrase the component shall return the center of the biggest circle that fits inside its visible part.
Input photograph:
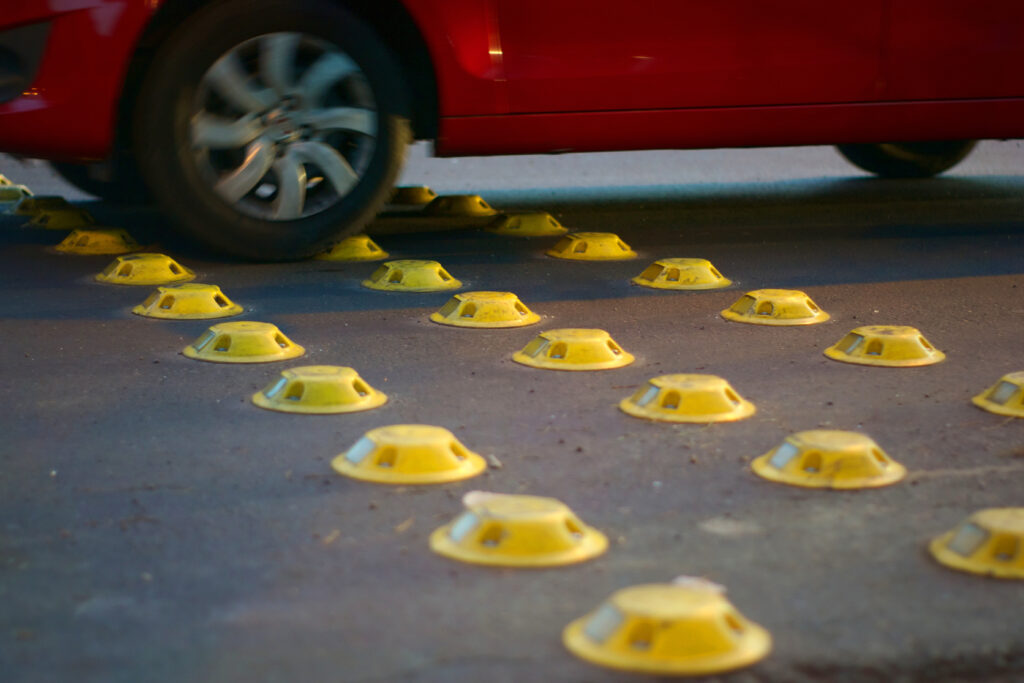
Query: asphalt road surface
(157, 526)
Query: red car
(268, 128)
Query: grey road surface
(157, 526)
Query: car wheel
(908, 159)
(124, 188)
(269, 128)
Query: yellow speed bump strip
(687, 398)
(319, 390)
(517, 531)
(777, 307)
(485, 310)
(591, 246)
(573, 349)
(409, 454)
(243, 342)
(989, 542)
(892, 346)
(828, 458)
(684, 628)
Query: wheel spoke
(342, 118)
(336, 169)
(291, 187)
(325, 72)
(277, 58)
(217, 132)
(230, 80)
(259, 159)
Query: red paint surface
(534, 76)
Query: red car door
(602, 55)
(955, 49)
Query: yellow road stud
(190, 301)
(775, 307)
(243, 342)
(459, 205)
(319, 390)
(684, 628)
(687, 398)
(409, 454)
(485, 309)
(11, 196)
(30, 206)
(829, 458)
(517, 531)
(4, 180)
(591, 246)
(540, 224)
(681, 273)
(145, 269)
(102, 241)
(61, 219)
(355, 248)
(1005, 397)
(892, 346)
(411, 276)
(413, 195)
(573, 349)
(989, 542)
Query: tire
(270, 128)
(907, 159)
(125, 188)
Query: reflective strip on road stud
(145, 269)
(411, 276)
(1005, 397)
(355, 248)
(11, 196)
(573, 349)
(829, 458)
(413, 195)
(109, 241)
(681, 273)
(243, 342)
(591, 246)
(517, 531)
(30, 206)
(319, 390)
(778, 307)
(687, 627)
(527, 225)
(187, 302)
(485, 310)
(409, 454)
(459, 205)
(61, 219)
(891, 346)
(989, 542)
(687, 398)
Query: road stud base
(413, 195)
(778, 307)
(682, 273)
(1005, 397)
(355, 248)
(187, 302)
(465, 205)
(409, 454)
(517, 531)
(573, 349)
(243, 342)
(686, 628)
(892, 346)
(68, 218)
(688, 398)
(30, 206)
(527, 225)
(145, 269)
(591, 246)
(827, 458)
(485, 310)
(94, 242)
(411, 276)
(989, 542)
(319, 390)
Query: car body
(533, 76)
